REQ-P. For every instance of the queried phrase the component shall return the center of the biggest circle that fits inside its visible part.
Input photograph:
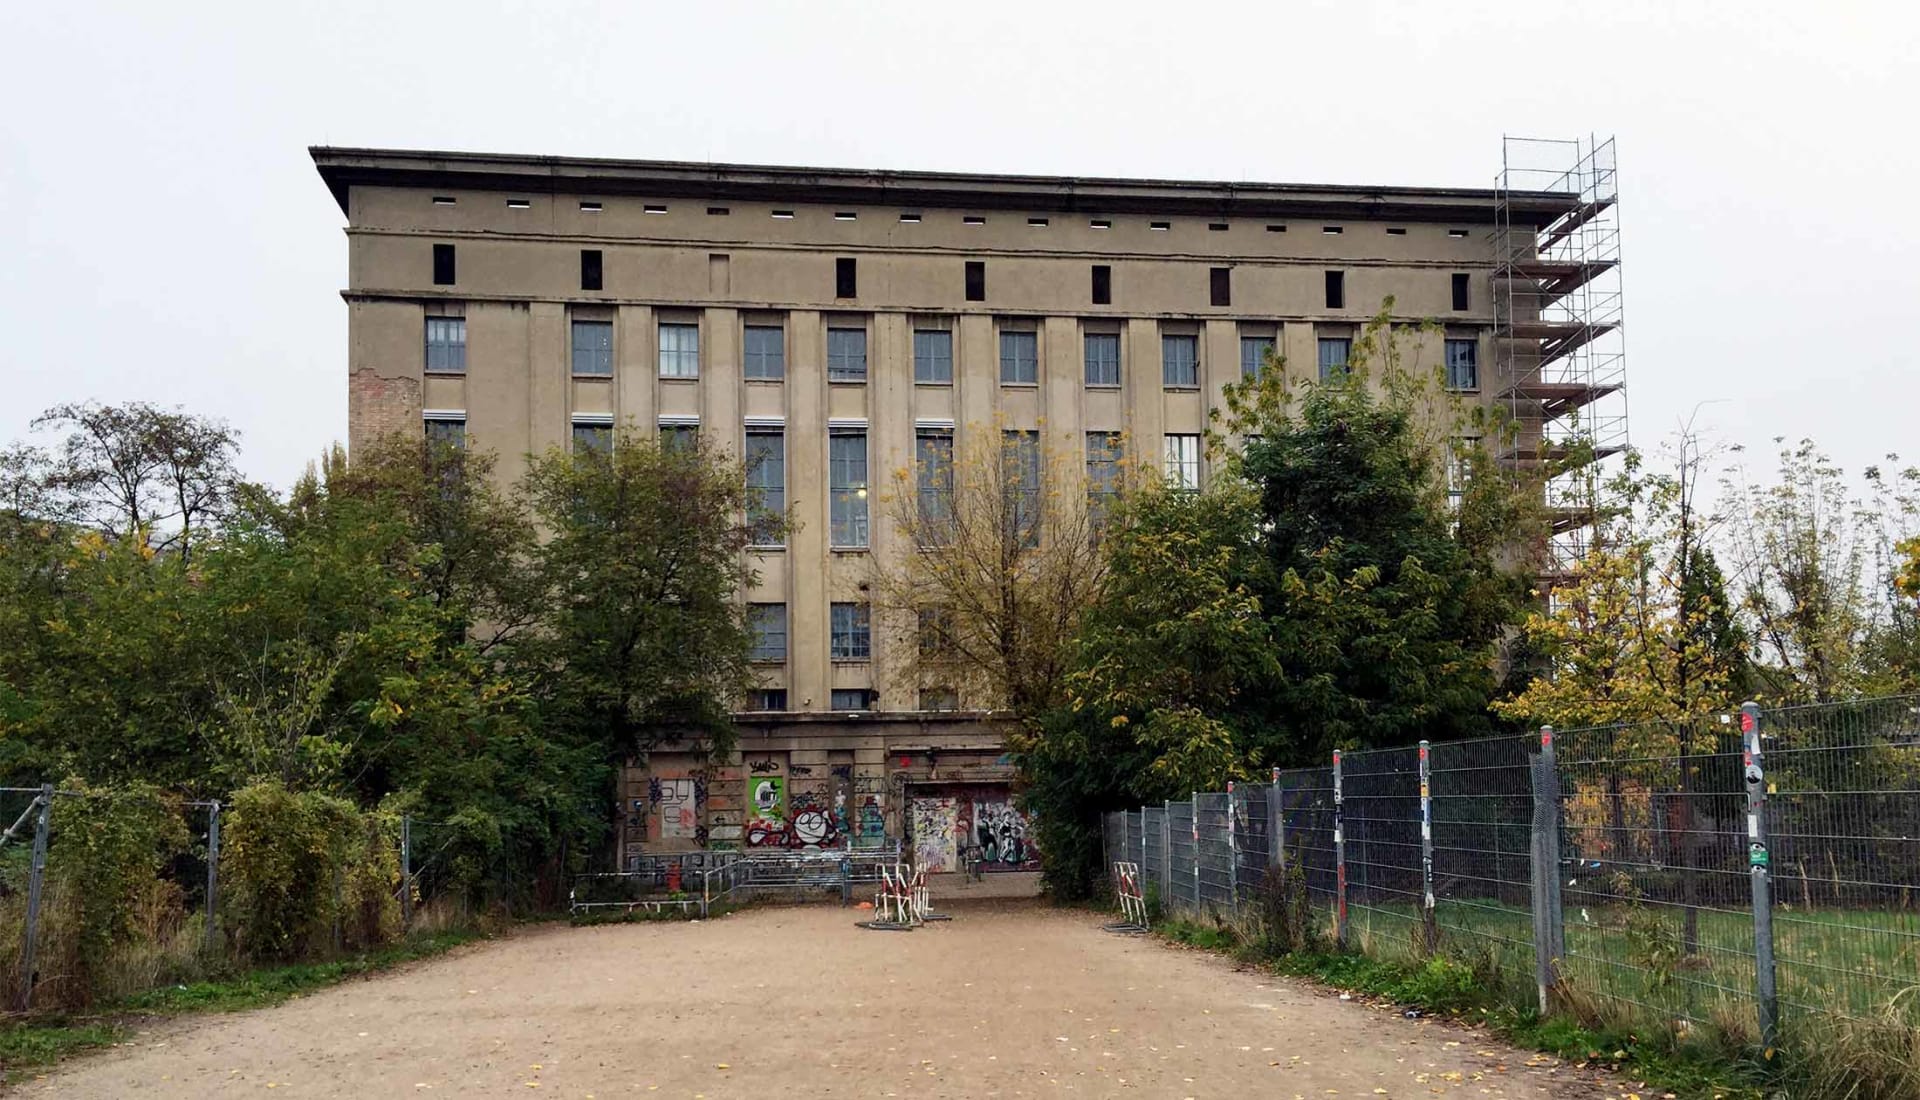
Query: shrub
(104, 878)
(296, 866)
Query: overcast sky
(163, 235)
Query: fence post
(1276, 825)
(1233, 853)
(1339, 856)
(1549, 945)
(1758, 860)
(1429, 919)
(406, 873)
(36, 881)
(213, 871)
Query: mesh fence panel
(1180, 853)
(1214, 853)
(1252, 837)
(1134, 828)
(1381, 815)
(1153, 867)
(1306, 830)
(1482, 812)
(1657, 896)
(1844, 818)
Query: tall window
(442, 265)
(593, 348)
(847, 487)
(846, 355)
(1021, 465)
(764, 352)
(1103, 358)
(1183, 461)
(1254, 351)
(447, 431)
(446, 345)
(852, 633)
(766, 485)
(768, 621)
(1180, 361)
(679, 351)
(1020, 357)
(1334, 351)
(932, 355)
(933, 478)
(1463, 364)
(1103, 473)
(592, 438)
(935, 633)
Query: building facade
(832, 325)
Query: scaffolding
(1558, 344)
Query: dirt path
(1011, 1001)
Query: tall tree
(643, 637)
(143, 471)
(1003, 560)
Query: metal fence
(1741, 871)
(30, 841)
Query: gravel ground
(1009, 999)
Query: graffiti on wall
(934, 825)
(1000, 829)
(674, 800)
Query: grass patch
(1473, 991)
(39, 1041)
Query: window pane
(939, 699)
(1183, 461)
(851, 699)
(1333, 357)
(766, 486)
(593, 347)
(768, 622)
(932, 356)
(1021, 471)
(767, 699)
(1103, 358)
(679, 351)
(764, 352)
(1253, 355)
(592, 439)
(1020, 357)
(1180, 360)
(1103, 473)
(847, 487)
(1463, 364)
(933, 478)
(852, 635)
(680, 437)
(846, 355)
(447, 433)
(446, 345)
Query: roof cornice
(344, 168)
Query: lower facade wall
(942, 789)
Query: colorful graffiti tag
(934, 825)
(1000, 830)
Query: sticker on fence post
(1428, 918)
(1339, 856)
(1766, 996)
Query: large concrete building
(832, 324)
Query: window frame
(680, 355)
(444, 421)
(1344, 366)
(933, 495)
(929, 361)
(845, 373)
(755, 362)
(1170, 340)
(595, 353)
(1472, 347)
(1183, 462)
(1087, 360)
(433, 320)
(758, 613)
(1010, 341)
(1258, 366)
(852, 641)
(594, 429)
(849, 498)
(759, 493)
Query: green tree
(643, 637)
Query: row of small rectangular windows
(763, 354)
(773, 700)
(846, 280)
(589, 206)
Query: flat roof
(345, 168)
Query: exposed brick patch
(378, 406)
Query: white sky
(163, 235)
